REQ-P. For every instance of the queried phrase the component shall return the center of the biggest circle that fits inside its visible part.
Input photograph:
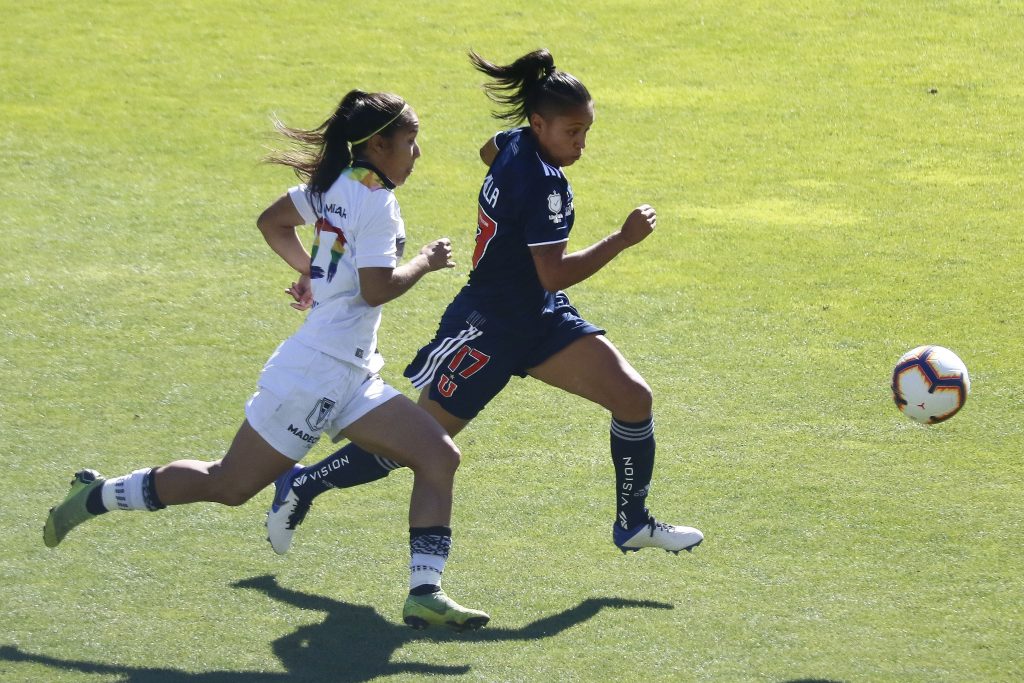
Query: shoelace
(655, 525)
(299, 513)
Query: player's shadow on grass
(353, 643)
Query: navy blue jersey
(524, 202)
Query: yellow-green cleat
(437, 609)
(71, 512)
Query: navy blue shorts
(472, 358)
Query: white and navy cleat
(655, 534)
(286, 512)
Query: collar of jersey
(385, 181)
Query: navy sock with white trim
(346, 467)
(632, 445)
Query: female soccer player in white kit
(324, 378)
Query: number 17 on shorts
(471, 358)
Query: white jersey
(358, 225)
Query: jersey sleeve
(300, 198)
(381, 235)
(503, 137)
(545, 217)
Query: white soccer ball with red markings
(930, 384)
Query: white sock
(425, 569)
(127, 492)
(429, 548)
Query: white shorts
(303, 393)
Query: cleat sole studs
(417, 623)
(471, 624)
(476, 622)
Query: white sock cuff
(126, 492)
(425, 569)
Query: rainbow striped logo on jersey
(329, 235)
(337, 242)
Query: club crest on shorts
(317, 417)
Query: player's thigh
(402, 431)
(462, 369)
(450, 423)
(593, 368)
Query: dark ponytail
(531, 84)
(319, 155)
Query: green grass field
(836, 183)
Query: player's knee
(226, 490)
(633, 400)
(443, 457)
(233, 496)
(450, 456)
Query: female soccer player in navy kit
(512, 317)
(324, 378)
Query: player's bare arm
(278, 224)
(558, 270)
(380, 285)
(488, 152)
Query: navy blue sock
(346, 467)
(633, 457)
(153, 501)
(94, 503)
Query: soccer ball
(930, 384)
